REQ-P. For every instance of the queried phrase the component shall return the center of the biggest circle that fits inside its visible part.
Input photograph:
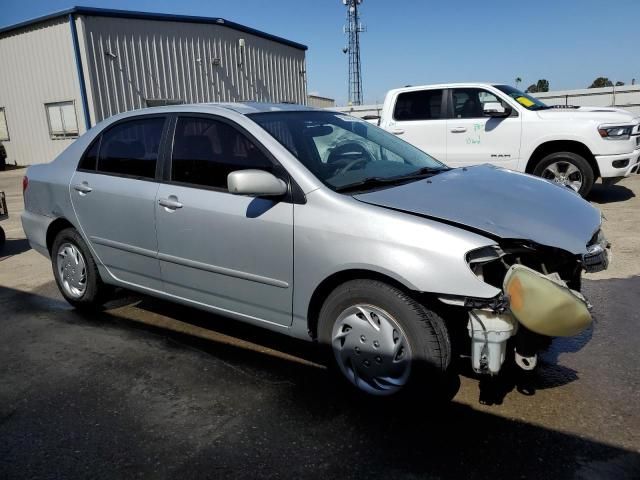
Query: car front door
(233, 253)
(473, 138)
(113, 193)
(418, 119)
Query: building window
(4, 130)
(62, 120)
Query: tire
(89, 294)
(3, 238)
(575, 163)
(352, 340)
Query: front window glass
(345, 152)
(206, 151)
(524, 99)
(469, 102)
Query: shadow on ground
(13, 247)
(102, 396)
(610, 193)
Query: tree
(601, 82)
(543, 85)
(619, 84)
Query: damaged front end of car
(540, 299)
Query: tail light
(25, 184)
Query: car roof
(246, 108)
(410, 88)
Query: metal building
(65, 72)
(318, 101)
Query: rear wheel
(383, 341)
(568, 169)
(76, 272)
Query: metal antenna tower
(353, 28)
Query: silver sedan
(314, 224)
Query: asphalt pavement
(147, 389)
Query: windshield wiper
(364, 184)
(421, 172)
(371, 182)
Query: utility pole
(353, 28)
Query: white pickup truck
(471, 123)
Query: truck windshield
(524, 99)
(347, 153)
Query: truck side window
(469, 102)
(418, 105)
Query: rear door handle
(170, 203)
(397, 131)
(458, 130)
(82, 188)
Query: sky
(568, 42)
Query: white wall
(37, 66)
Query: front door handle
(82, 188)
(170, 203)
(458, 130)
(397, 131)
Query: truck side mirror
(496, 109)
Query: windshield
(524, 99)
(346, 152)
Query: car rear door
(113, 193)
(233, 253)
(473, 138)
(418, 118)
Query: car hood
(599, 114)
(499, 202)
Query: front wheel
(76, 272)
(383, 341)
(568, 169)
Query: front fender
(421, 254)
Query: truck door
(473, 138)
(417, 117)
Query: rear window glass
(419, 105)
(90, 158)
(131, 148)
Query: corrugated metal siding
(129, 60)
(37, 66)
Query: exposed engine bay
(540, 299)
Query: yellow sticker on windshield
(524, 101)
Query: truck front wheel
(567, 168)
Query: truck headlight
(622, 132)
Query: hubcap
(72, 271)
(564, 173)
(371, 349)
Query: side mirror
(255, 183)
(495, 109)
